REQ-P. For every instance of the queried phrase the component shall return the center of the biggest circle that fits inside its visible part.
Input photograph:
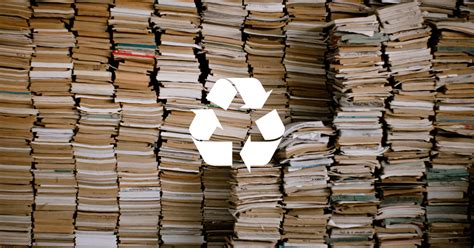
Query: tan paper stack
(51, 78)
(180, 178)
(17, 117)
(224, 47)
(222, 22)
(222, 42)
(178, 67)
(307, 154)
(218, 222)
(235, 124)
(264, 36)
(447, 211)
(409, 120)
(358, 82)
(141, 116)
(255, 205)
(94, 141)
(305, 60)
(177, 25)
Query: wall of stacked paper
(97, 96)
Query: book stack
(408, 118)
(180, 178)
(265, 47)
(51, 77)
(141, 116)
(178, 75)
(224, 48)
(340, 9)
(222, 39)
(255, 198)
(235, 124)
(139, 195)
(218, 222)
(225, 56)
(92, 52)
(178, 27)
(222, 42)
(97, 209)
(358, 81)
(94, 93)
(17, 117)
(447, 210)
(306, 151)
(94, 141)
(305, 60)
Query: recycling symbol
(205, 122)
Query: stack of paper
(255, 200)
(340, 9)
(222, 38)
(223, 46)
(305, 60)
(180, 178)
(235, 124)
(218, 222)
(96, 163)
(452, 63)
(400, 216)
(51, 77)
(358, 81)
(139, 195)
(409, 123)
(17, 116)
(93, 49)
(235, 127)
(178, 67)
(226, 58)
(447, 210)
(141, 116)
(306, 151)
(265, 47)
(178, 76)
(94, 141)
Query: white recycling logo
(205, 122)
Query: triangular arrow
(217, 153)
(258, 153)
(204, 124)
(270, 126)
(222, 93)
(251, 91)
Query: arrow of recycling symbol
(205, 122)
